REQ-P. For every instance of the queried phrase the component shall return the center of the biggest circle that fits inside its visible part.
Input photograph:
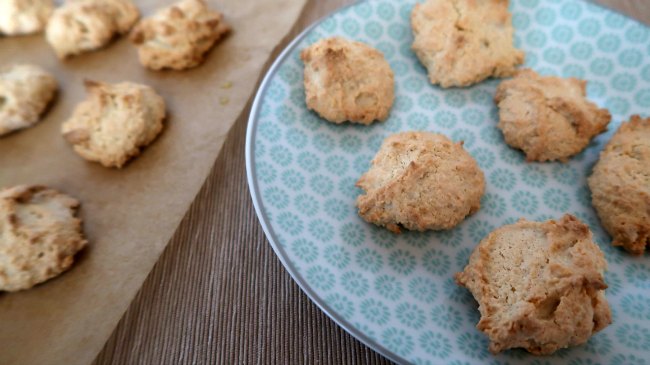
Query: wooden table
(219, 294)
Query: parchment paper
(129, 214)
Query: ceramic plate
(395, 292)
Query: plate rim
(253, 188)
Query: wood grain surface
(219, 295)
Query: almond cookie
(347, 81)
(39, 235)
(81, 26)
(548, 118)
(420, 181)
(178, 37)
(18, 17)
(463, 42)
(539, 286)
(620, 186)
(115, 122)
(25, 93)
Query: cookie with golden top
(178, 37)
(347, 81)
(19, 17)
(539, 285)
(548, 118)
(620, 186)
(39, 235)
(25, 93)
(80, 26)
(115, 122)
(463, 42)
(420, 181)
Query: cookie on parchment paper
(18, 17)
(80, 26)
(549, 118)
(39, 235)
(539, 285)
(463, 42)
(347, 81)
(178, 37)
(620, 186)
(115, 122)
(25, 93)
(420, 181)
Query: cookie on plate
(463, 42)
(18, 17)
(80, 26)
(539, 285)
(115, 122)
(25, 93)
(347, 81)
(39, 235)
(620, 186)
(178, 37)
(548, 118)
(420, 181)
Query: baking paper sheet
(130, 214)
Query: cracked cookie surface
(620, 186)
(539, 285)
(462, 42)
(39, 235)
(347, 81)
(25, 93)
(420, 181)
(80, 26)
(548, 118)
(178, 37)
(115, 122)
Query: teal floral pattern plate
(396, 292)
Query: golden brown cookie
(18, 17)
(539, 286)
(39, 235)
(178, 37)
(25, 93)
(620, 186)
(463, 42)
(115, 122)
(548, 118)
(420, 181)
(80, 26)
(347, 81)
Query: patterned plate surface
(396, 292)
